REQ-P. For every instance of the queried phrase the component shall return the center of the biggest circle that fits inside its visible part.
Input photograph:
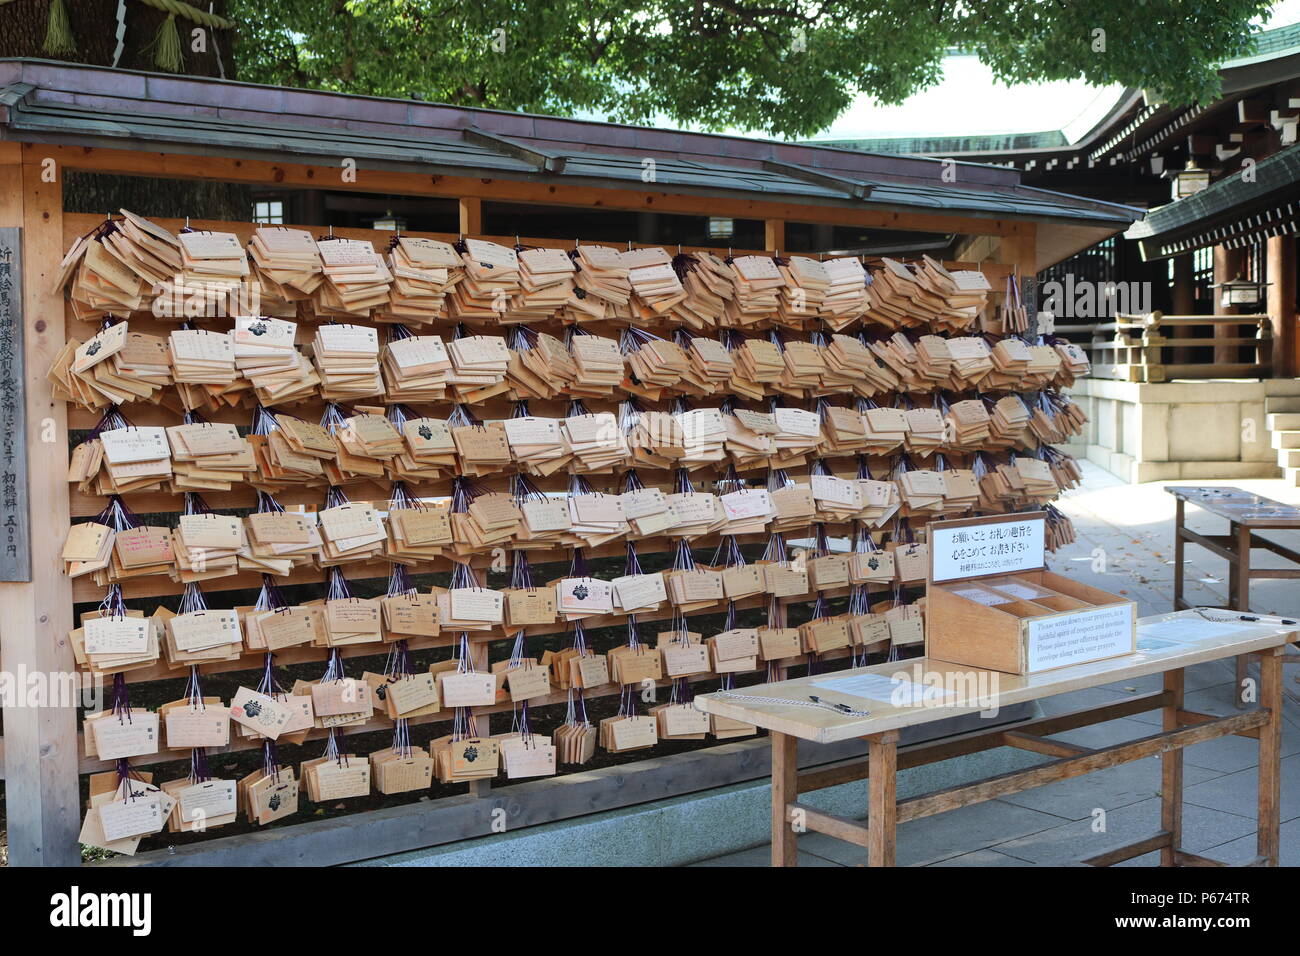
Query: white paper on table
(894, 690)
(1189, 630)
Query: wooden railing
(1155, 347)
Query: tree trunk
(94, 30)
(156, 198)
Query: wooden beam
(41, 787)
(1183, 858)
(831, 824)
(550, 162)
(1043, 745)
(1127, 852)
(977, 741)
(858, 190)
(1253, 111)
(548, 192)
(1188, 717)
(1020, 780)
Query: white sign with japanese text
(992, 547)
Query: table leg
(1233, 562)
(882, 809)
(785, 790)
(1171, 771)
(1179, 546)
(1270, 754)
(1242, 569)
(1240, 593)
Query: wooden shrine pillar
(1183, 302)
(40, 730)
(1184, 293)
(1282, 305)
(1228, 265)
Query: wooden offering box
(991, 603)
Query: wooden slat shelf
(243, 744)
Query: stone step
(1291, 476)
(1283, 386)
(1282, 421)
(1286, 439)
(1288, 457)
(1282, 403)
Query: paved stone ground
(1125, 545)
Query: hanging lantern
(390, 222)
(1240, 292)
(1190, 181)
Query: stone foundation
(1182, 430)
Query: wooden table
(973, 691)
(1246, 513)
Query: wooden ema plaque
(991, 603)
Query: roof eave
(1113, 217)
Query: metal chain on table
(1234, 616)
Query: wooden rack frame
(41, 748)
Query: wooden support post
(785, 790)
(882, 804)
(41, 792)
(1171, 772)
(1184, 303)
(1228, 265)
(774, 234)
(1020, 252)
(471, 216)
(1270, 755)
(1282, 305)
